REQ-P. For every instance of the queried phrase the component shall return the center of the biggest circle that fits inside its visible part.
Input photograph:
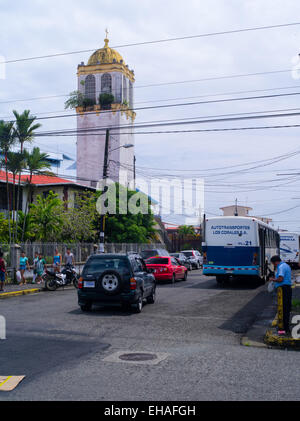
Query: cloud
(37, 27)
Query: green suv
(116, 279)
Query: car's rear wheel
(185, 277)
(75, 281)
(151, 299)
(173, 279)
(138, 306)
(86, 307)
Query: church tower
(105, 73)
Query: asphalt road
(197, 324)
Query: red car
(167, 268)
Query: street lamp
(126, 146)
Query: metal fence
(81, 251)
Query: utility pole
(236, 208)
(105, 175)
(134, 170)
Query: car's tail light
(204, 257)
(254, 263)
(80, 283)
(133, 284)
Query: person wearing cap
(283, 279)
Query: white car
(195, 258)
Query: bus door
(262, 250)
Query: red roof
(36, 179)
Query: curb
(246, 341)
(272, 339)
(12, 294)
(6, 295)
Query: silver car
(195, 258)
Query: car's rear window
(148, 253)
(188, 253)
(98, 265)
(175, 254)
(158, 261)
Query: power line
(177, 105)
(159, 41)
(228, 118)
(283, 211)
(174, 83)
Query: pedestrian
(24, 264)
(2, 272)
(35, 262)
(40, 268)
(57, 259)
(69, 258)
(283, 280)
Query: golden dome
(105, 55)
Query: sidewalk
(263, 333)
(13, 290)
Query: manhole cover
(138, 357)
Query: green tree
(47, 217)
(186, 230)
(130, 228)
(4, 229)
(36, 162)
(25, 128)
(7, 140)
(80, 221)
(76, 99)
(25, 229)
(15, 164)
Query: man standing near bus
(283, 280)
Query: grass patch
(296, 304)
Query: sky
(39, 27)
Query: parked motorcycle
(54, 280)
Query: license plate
(89, 284)
(229, 271)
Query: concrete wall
(90, 148)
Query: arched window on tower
(106, 84)
(90, 87)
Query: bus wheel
(221, 279)
(262, 280)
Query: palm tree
(7, 140)
(186, 230)
(36, 164)
(15, 164)
(24, 132)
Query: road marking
(7, 384)
(6, 380)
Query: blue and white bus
(238, 247)
(290, 248)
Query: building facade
(105, 73)
(237, 210)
